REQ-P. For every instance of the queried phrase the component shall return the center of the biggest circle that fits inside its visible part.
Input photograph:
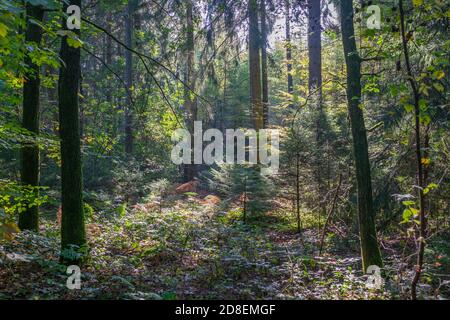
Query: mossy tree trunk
(29, 219)
(370, 251)
(72, 224)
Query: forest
(224, 149)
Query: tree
(264, 72)
(314, 47)
(370, 251)
(255, 66)
(29, 219)
(315, 88)
(72, 224)
(418, 151)
(190, 101)
(129, 76)
(287, 13)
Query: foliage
(243, 183)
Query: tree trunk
(190, 102)
(255, 67)
(314, 46)
(297, 192)
(264, 73)
(108, 57)
(419, 166)
(29, 219)
(72, 224)
(315, 89)
(370, 251)
(290, 82)
(129, 77)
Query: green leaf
(394, 91)
(3, 30)
(74, 42)
(425, 119)
(430, 187)
(423, 105)
(414, 211)
(439, 87)
(406, 215)
(409, 108)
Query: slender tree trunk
(370, 251)
(287, 12)
(254, 40)
(29, 219)
(72, 224)
(255, 67)
(297, 192)
(108, 57)
(420, 171)
(129, 77)
(82, 116)
(223, 106)
(264, 73)
(330, 214)
(190, 102)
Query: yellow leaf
(417, 3)
(439, 74)
(7, 230)
(425, 161)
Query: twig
(112, 71)
(142, 55)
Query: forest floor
(188, 248)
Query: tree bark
(297, 192)
(264, 72)
(108, 57)
(255, 67)
(314, 46)
(190, 102)
(72, 224)
(129, 77)
(419, 166)
(315, 89)
(290, 82)
(29, 219)
(370, 251)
